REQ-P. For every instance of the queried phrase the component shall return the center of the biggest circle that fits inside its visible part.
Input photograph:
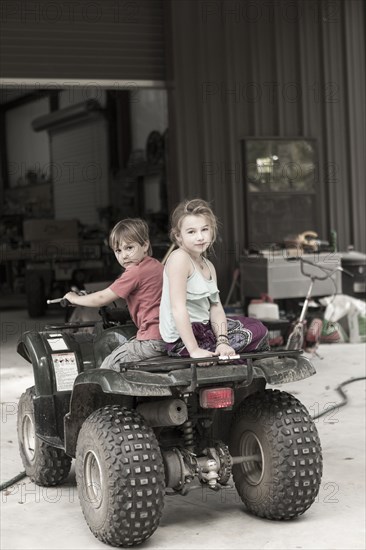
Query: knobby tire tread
(135, 476)
(295, 461)
(51, 465)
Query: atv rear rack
(253, 364)
(166, 363)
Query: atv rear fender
(164, 377)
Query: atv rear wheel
(120, 476)
(45, 465)
(282, 478)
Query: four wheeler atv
(163, 426)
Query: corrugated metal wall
(259, 68)
(109, 39)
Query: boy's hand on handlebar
(224, 349)
(70, 296)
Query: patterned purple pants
(245, 334)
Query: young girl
(192, 320)
(140, 285)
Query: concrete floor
(35, 517)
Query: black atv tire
(44, 464)
(36, 300)
(283, 479)
(120, 476)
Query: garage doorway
(96, 154)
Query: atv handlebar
(62, 301)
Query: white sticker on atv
(66, 370)
(57, 344)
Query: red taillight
(216, 398)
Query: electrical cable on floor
(12, 480)
(342, 394)
(21, 475)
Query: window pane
(280, 165)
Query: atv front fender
(31, 346)
(35, 348)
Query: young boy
(140, 285)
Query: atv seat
(114, 316)
(110, 339)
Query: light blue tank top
(201, 292)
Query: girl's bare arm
(219, 323)
(218, 319)
(178, 270)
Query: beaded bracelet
(222, 339)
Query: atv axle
(213, 467)
(250, 458)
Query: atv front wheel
(120, 476)
(45, 465)
(281, 477)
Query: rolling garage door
(109, 40)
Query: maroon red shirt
(141, 285)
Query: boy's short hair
(130, 230)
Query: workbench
(279, 276)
